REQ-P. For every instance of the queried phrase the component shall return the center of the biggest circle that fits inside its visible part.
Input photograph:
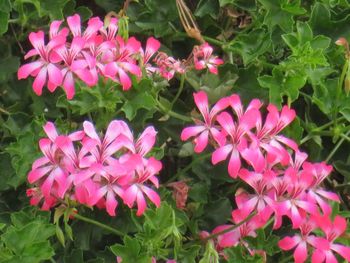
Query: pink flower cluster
(94, 170)
(72, 53)
(281, 183)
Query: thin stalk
(341, 185)
(345, 137)
(99, 224)
(182, 82)
(229, 229)
(336, 147)
(172, 113)
(4, 111)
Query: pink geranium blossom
(203, 58)
(204, 130)
(44, 69)
(95, 169)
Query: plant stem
(172, 113)
(99, 224)
(182, 82)
(336, 147)
(229, 229)
(208, 39)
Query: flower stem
(229, 229)
(96, 223)
(172, 113)
(336, 147)
(182, 82)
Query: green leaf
(5, 6)
(130, 251)
(84, 12)
(207, 7)
(280, 13)
(251, 45)
(4, 17)
(8, 66)
(140, 101)
(281, 84)
(60, 235)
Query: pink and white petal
(31, 53)
(112, 132)
(307, 206)
(68, 85)
(46, 186)
(300, 253)
(132, 68)
(74, 24)
(86, 76)
(221, 153)
(212, 69)
(339, 225)
(234, 164)
(330, 258)
(141, 204)
(90, 131)
(327, 194)
(133, 45)
(50, 131)
(191, 131)
(40, 81)
(124, 79)
(146, 140)
(201, 141)
(152, 47)
(295, 216)
(25, 70)
(152, 195)
(36, 174)
(226, 122)
(37, 39)
(201, 100)
(342, 250)
(130, 195)
(289, 142)
(111, 203)
(40, 162)
(287, 243)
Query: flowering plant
(128, 139)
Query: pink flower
(74, 63)
(144, 172)
(152, 47)
(203, 58)
(324, 247)
(300, 241)
(44, 69)
(123, 61)
(266, 139)
(262, 200)
(94, 25)
(237, 142)
(168, 66)
(296, 204)
(316, 193)
(235, 236)
(59, 161)
(204, 130)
